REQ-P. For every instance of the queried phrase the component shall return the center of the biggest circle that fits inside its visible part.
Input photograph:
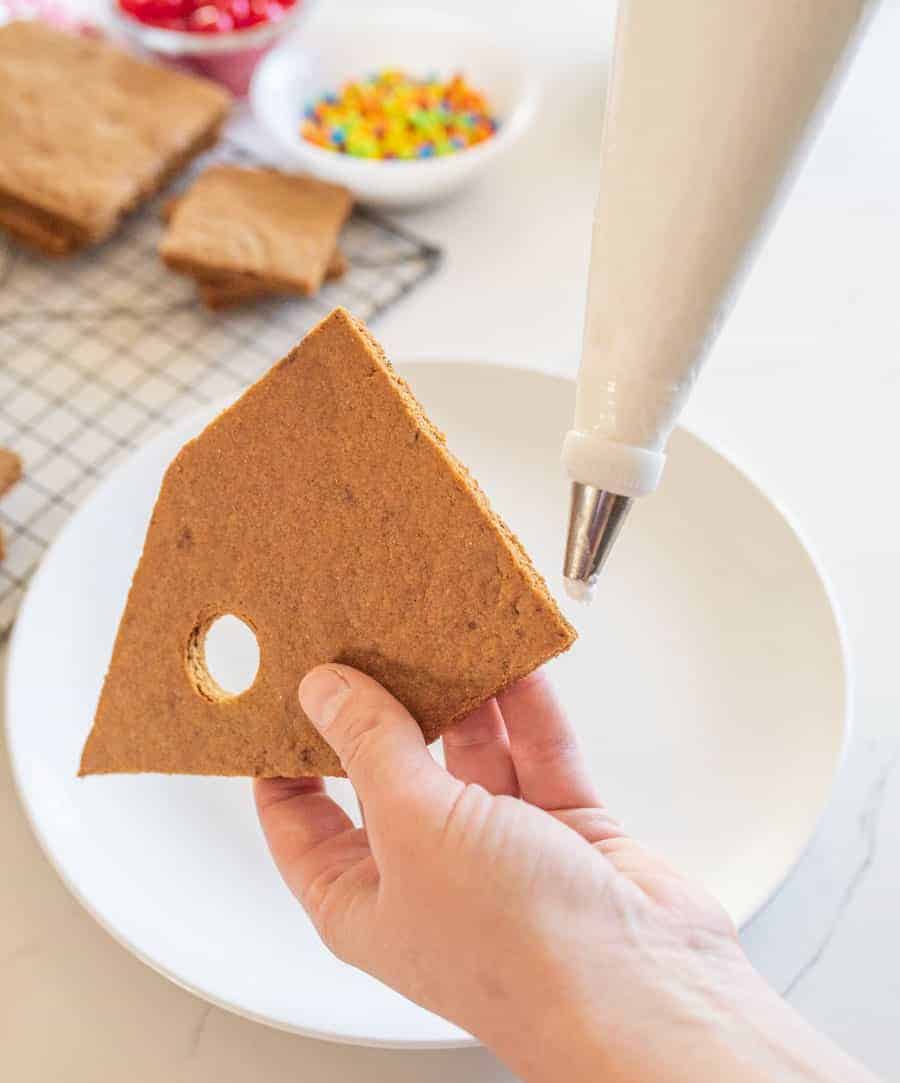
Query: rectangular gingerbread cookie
(87, 132)
(278, 229)
(325, 511)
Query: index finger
(476, 749)
(545, 751)
(298, 818)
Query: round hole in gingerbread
(222, 657)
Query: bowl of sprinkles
(403, 107)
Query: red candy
(206, 16)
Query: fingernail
(322, 693)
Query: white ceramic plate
(708, 686)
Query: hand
(501, 894)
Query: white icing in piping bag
(708, 106)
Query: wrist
(667, 1016)
(699, 1017)
(637, 1015)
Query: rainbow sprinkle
(393, 115)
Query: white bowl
(322, 57)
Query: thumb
(377, 740)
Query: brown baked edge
(224, 291)
(56, 235)
(338, 771)
(515, 547)
(200, 271)
(38, 229)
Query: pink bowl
(229, 58)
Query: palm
(501, 894)
(518, 746)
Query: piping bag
(708, 106)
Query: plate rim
(463, 1041)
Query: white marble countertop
(803, 390)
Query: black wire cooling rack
(99, 353)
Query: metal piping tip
(595, 519)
